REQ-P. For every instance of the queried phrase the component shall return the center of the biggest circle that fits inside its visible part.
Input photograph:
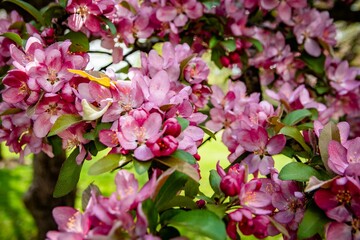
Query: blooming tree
(286, 95)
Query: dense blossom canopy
(285, 89)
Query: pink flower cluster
(339, 197)
(144, 110)
(120, 215)
(260, 202)
(245, 120)
(38, 90)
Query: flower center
(140, 133)
(83, 11)
(343, 196)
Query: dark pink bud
(172, 127)
(200, 203)
(225, 61)
(230, 186)
(164, 146)
(234, 57)
(197, 156)
(48, 35)
(124, 151)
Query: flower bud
(172, 127)
(225, 61)
(230, 186)
(164, 146)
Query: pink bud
(230, 186)
(172, 127)
(140, 115)
(225, 61)
(164, 146)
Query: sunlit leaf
(180, 166)
(294, 133)
(63, 122)
(298, 171)
(141, 167)
(296, 116)
(107, 164)
(203, 222)
(13, 37)
(80, 42)
(184, 156)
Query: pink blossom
(135, 133)
(344, 160)
(342, 77)
(340, 200)
(71, 223)
(83, 14)
(196, 71)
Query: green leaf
(86, 195)
(216, 53)
(312, 223)
(180, 166)
(191, 188)
(141, 167)
(213, 42)
(11, 111)
(314, 63)
(80, 42)
(229, 45)
(328, 133)
(68, 176)
(215, 179)
(184, 156)
(151, 214)
(56, 144)
(208, 132)
(52, 11)
(298, 171)
(202, 222)
(296, 116)
(294, 133)
(209, 4)
(63, 3)
(219, 210)
(29, 8)
(111, 26)
(107, 164)
(63, 122)
(257, 44)
(178, 201)
(174, 183)
(167, 232)
(184, 123)
(13, 37)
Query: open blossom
(342, 77)
(83, 14)
(344, 159)
(178, 12)
(262, 148)
(137, 131)
(340, 200)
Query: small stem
(106, 66)
(101, 52)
